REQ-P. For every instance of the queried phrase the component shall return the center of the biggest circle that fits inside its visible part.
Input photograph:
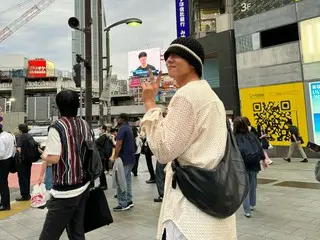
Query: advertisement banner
(140, 61)
(314, 89)
(164, 68)
(37, 68)
(272, 107)
(182, 15)
(134, 83)
(50, 69)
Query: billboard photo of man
(141, 61)
(144, 65)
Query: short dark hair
(68, 103)
(104, 127)
(240, 126)
(142, 54)
(124, 117)
(113, 130)
(23, 128)
(247, 121)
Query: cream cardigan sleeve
(169, 137)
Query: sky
(49, 36)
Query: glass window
(205, 20)
(211, 72)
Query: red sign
(134, 83)
(37, 68)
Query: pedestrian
(263, 137)
(252, 153)
(160, 175)
(125, 150)
(148, 154)
(70, 190)
(7, 152)
(138, 146)
(104, 147)
(295, 143)
(194, 132)
(25, 149)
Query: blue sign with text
(315, 109)
(182, 12)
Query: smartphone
(313, 146)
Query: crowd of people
(192, 132)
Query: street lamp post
(130, 22)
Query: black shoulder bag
(218, 192)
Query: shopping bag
(39, 196)
(97, 212)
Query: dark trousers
(135, 167)
(148, 155)
(4, 187)
(24, 175)
(103, 178)
(65, 213)
(160, 178)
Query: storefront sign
(314, 88)
(182, 14)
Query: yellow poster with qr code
(272, 107)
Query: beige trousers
(295, 145)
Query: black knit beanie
(190, 50)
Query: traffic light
(77, 74)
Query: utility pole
(101, 117)
(108, 83)
(88, 47)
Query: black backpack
(30, 151)
(250, 148)
(91, 162)
(107, 148)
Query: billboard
(314, 89)
(182, 15)
(134, 83)
(50, 69)
(272, 107)
(140, 61)
(38, 68)
(164, 68)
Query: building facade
(278, 66)
(212, 24)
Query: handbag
(97, 212)
(218, 192)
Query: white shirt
(195, 132)
(139, 144)
(53, 147)
(7, 145)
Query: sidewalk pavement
(288, 207)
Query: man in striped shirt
(70, 190)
